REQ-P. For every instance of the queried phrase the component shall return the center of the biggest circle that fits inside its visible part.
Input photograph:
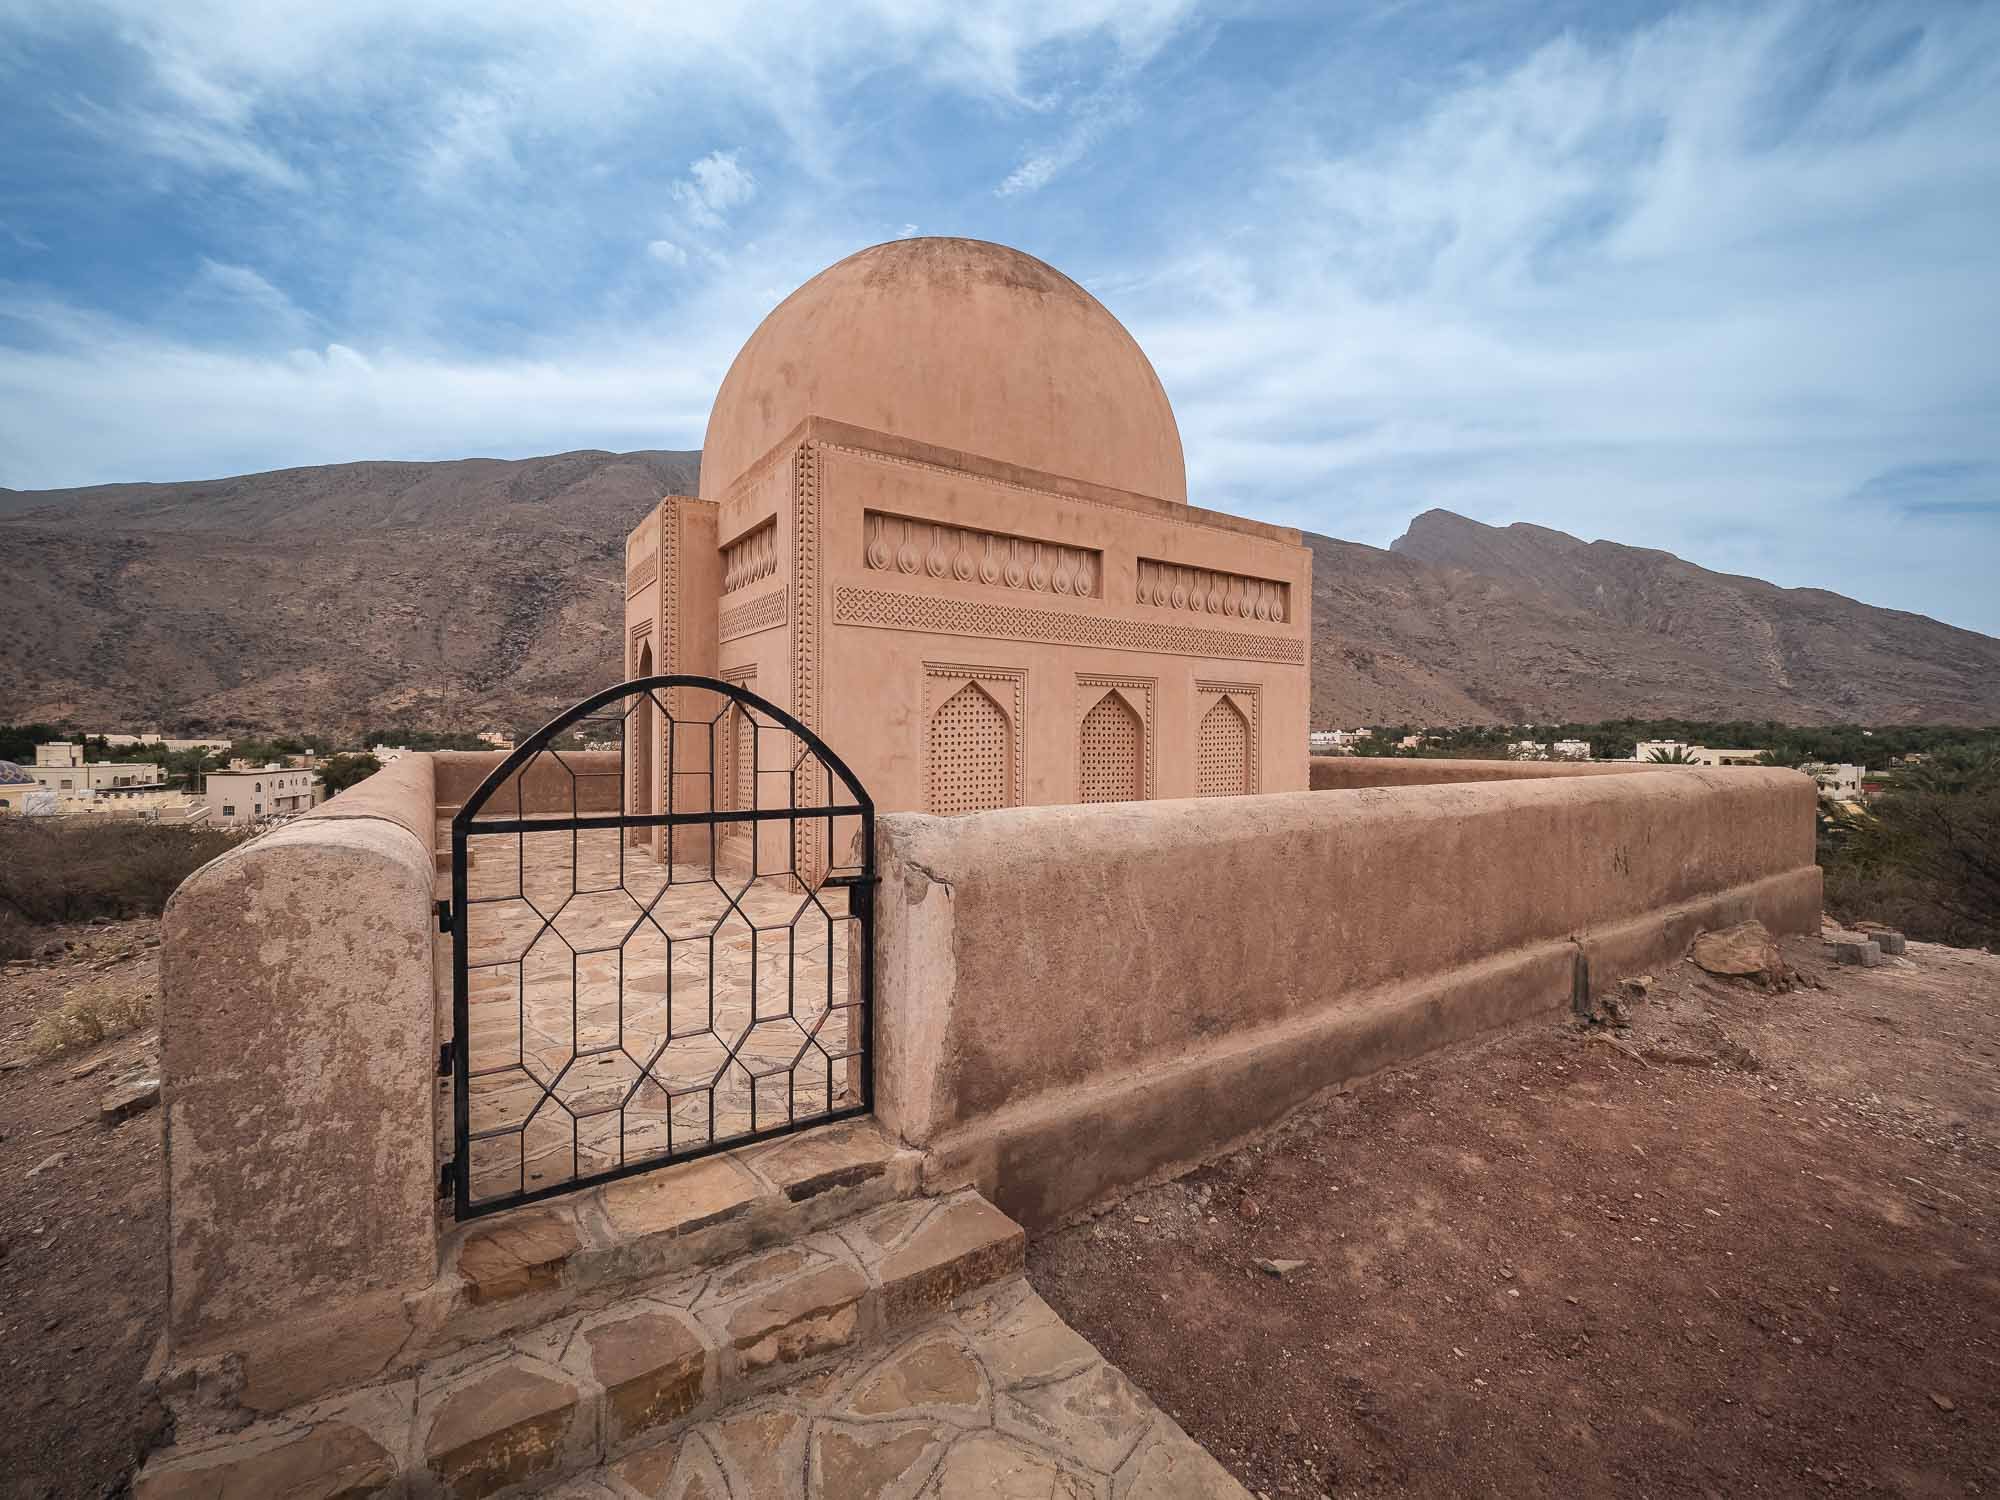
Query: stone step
(523, 1266)
(995, 1396)
(610, 1376)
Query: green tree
(1675, 755)
(1926, 853)
(343, 771)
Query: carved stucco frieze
(939, 549)
(1165, 585)
(898, 611)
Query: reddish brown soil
(82, 1244)
(1819, 1166)
(1758, 1257)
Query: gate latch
(444, 915)
(447, 1177)
(445, 1059)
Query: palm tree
(1675, 755)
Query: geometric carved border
(747, 619)
(808, 858)
(894, 611)
(1138, 695)
(1245, 696)
(1004, 685)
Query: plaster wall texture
(298, 1044)
(1197, 968)
(1332, 773)
(673, 579)
(544, 783)
(963, 343)
(903, 573)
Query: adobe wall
(1072, 999)
(543, 785)
(1335, 773)
(298, 1058)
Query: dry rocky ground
(1745, 1247)
(82, 1232)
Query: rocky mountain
(484, 592)
(1535, 625)
(468, 593)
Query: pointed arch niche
(1114, 738)
(1225, 739)
(642, 733)
(972, 751)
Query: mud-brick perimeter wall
(298, 1048)
(1073, 999)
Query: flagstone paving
(997, 1397)
(616, 1014)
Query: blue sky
(1720, 279)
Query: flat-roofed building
(61, 768)
(238, 797)
(1696, 755)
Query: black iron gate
(661, 914)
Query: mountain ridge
(480, 592)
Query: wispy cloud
(1713, 279)
(1092, 123)
(714, 185)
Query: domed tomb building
(944, 522)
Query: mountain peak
(483, 593)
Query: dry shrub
(72, 869)
(88, 1019)
(17, 938)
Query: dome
(962, 344)
(13, 775)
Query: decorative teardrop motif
(1202, 591)
(962, 553)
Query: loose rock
(134, 1096)
(1745, 951)
(1281, 1267)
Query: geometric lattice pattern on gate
(1109, 764)
(616, 1010)
(1222, 752)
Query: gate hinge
(444, 915)
(447, 1177)
(445, 1052)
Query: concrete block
(1857, 950)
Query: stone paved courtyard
(617, 1014)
